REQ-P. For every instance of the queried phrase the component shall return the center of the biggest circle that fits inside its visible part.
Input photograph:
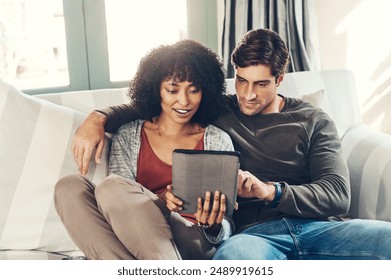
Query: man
(295, 183)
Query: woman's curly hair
(185, 60)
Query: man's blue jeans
(298, 239)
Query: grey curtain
(294, 20)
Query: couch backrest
(88, 100)
(332, 90)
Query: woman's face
(179, 100)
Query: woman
(132, 214)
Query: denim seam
(349, 254)
(291, 227)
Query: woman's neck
(164, 136)
(166, 126)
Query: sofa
(36, 134)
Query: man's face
(256, 90)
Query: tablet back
(196, 171)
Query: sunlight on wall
(361, 42)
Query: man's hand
(250, 186)
(90, 134)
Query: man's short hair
(261, 46)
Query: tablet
(196, 171)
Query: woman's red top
(155, 174)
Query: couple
(294, 185)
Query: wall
(355, 34)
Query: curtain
(293, 20)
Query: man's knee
(247, 247)
(233, 248)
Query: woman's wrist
(213, 230)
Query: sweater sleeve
(328, 193)
(124, 150)
(118, 115)
(217, 139)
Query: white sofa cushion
(35, 139)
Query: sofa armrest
(368, 155)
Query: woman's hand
(172, 202)
(211, 217)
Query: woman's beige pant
(120, 219)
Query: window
(32, 44)
(144, 29)
(62, 45)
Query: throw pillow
(318, 99)
(35, 139)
